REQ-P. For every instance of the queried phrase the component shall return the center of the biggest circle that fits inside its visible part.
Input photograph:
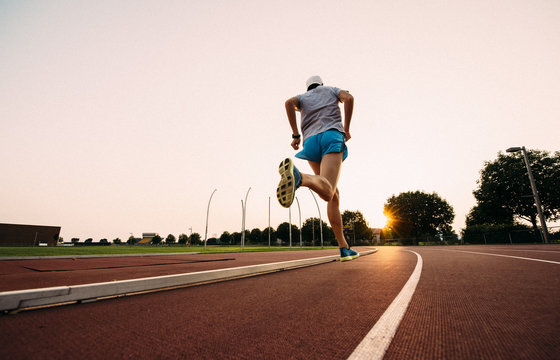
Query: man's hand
(348, 101)
(295, 143)
(291, 106)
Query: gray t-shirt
(319, 111)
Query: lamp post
(207, 212)
(299, 210)
(290, 225)
(534, 188)
(244, 211)
(320, 221)
(269, 221)
(312, 232)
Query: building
(147, 238)
(376, 235)
(28, 235)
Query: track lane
(539, 252)
(473, 306)
(321, 312)
(19, 274)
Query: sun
(388, 219)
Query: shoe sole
(286, 188)
(349, 257)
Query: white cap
(313, 80)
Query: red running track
(27, 274)
(466, 306)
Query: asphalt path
(470, 303)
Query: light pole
(290, 225)
(299, 210)
(269, 221)
(312, 232)
(534, 188)
(244, 211)
(208, 212)
(320, 221)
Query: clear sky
(121, 117)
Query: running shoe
(348, 254)
(290, 180)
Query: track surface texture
(27, 274)
(467, 305)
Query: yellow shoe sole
(286, 189)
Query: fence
(525, 236)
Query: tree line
(356, 228)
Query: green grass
(126, 249)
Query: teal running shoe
(348, 254)
(290, 180)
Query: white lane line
(542, 251)
(377, 341)
(508, 256)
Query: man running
(324, 147)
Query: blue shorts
(330, 141)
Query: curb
(22, 299)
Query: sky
(122, 117)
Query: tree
(75, 240)
(104, 241)
(236, 238)
(117, 241)
(226, 238)
(131, 240)
(247, 237)
(255, 236)
(415, 214)
(489, 212)
(264, 235)
(504, 191)
(183, 239)
(170, 239)
(195, 239)
(283, 233)
(356, 229)
(311, 232)
(88, 241)
(156, 240)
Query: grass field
(126, 249)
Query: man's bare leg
(324, 183)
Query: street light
(269, 221)
(244, 211)
(207, 212)
(290, 224)
(299, 210)
(534, 188)
(320, 221)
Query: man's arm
(348, 101)
(291, 105)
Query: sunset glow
(122, 117)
